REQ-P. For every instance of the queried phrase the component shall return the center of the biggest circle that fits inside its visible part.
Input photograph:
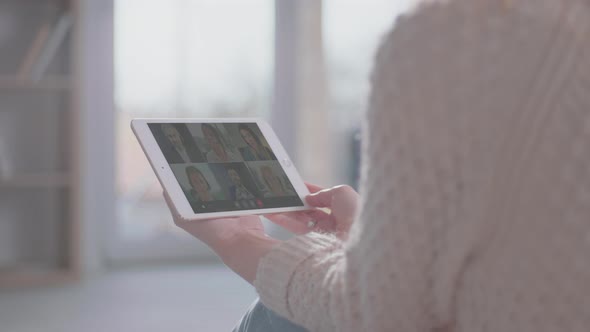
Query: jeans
(261, 319)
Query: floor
(170, 298)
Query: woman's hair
(190, 170)
(243, 126)
(180, 132)
(214, 131)
(262, 170)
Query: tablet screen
(224, 166)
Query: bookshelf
(8, 83)
(39, 180)
(39, 171)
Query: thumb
(325, 198)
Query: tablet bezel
(172, 186)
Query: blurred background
(86, 242)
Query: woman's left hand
(239, 241)
(217, 233)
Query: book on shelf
(32, 56)
(44, 48)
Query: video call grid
(215, 164)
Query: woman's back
(496, 95)
(476, 189)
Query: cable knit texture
(476, 184)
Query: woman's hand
(335, 211)
(240, 242)
(217, 233)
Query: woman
(476, 185)
(255, 149)
(237, 191)
(218, 152)
(200, 188)
(274, 183)
(180, 148)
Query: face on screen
(210, 136)
(224, 166)
(249, 138)
(198, 182)
(172, 135)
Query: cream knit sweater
(476, 184)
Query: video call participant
(255, 149)
(237, 191)
(200, 188)
(218, 152)
(182, 149)
(274, 183)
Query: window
(180, 58)
(203, 58)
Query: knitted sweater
(476, 184)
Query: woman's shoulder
(212, 156)
(247, 153)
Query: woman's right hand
(334, 212)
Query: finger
(304, 222)
(301, 217)
(322, 220)
(324, 198)
(280, 219)
(294, 224)
(318, 215)
(292, 216)
(295, 228)
(325, 226)
(313, 188)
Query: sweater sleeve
(381, 278)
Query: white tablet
(213, 168)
